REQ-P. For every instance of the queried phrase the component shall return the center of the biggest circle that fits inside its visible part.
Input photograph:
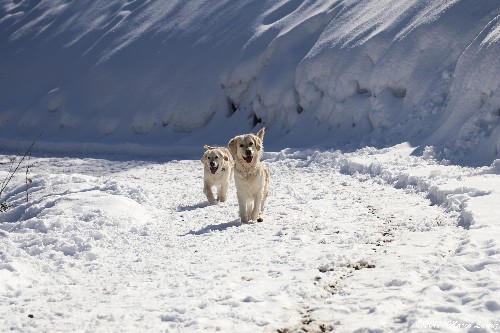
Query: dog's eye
(251, 143)
(209, 158)
(216, 157)
(242, 146)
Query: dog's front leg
(207, 189)
(222, 192)
(256, 207)
(242, 204)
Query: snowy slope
(140, 76)
(368, 241)
(403, 237)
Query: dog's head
(213, 158)
(247, 147)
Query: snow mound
(68, 213)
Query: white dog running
(251, 177)
(218, 168)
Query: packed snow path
(129, 246)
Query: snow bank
(67, 214)
(158, 74)
(451, 187)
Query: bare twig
(8, 178)
(28, 180)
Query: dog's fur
(251, 177)
(218, 169)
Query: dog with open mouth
(218, 170)
(251, 176)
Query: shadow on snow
(214, 227)
(193, 207)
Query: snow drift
(168, 74)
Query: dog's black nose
(248, 152)
(212, 163)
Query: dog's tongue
(213, 170)
(248, 159)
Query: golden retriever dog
(251, 177)
(218, 168)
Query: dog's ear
(221, 153)
(232, 146)
(261, 133)
(258, 142)
(203, 158)
(227, 154)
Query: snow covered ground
(382, 137)
(368, 241)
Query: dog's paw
(252, 221)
